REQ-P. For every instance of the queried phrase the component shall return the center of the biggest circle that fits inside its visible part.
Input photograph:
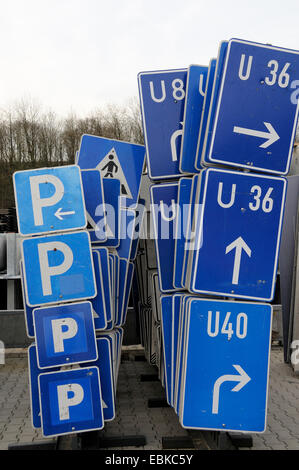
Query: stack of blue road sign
(79, 245)
(223, 134)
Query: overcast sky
(81, 54)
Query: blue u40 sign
(225, 373)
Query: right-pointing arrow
(242, 378)
(238, 244)
(271, 136)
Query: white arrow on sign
(239, 245)
(242, 378)
(271, 136)
(59, 214)
(175, 135)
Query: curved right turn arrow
(242, 378)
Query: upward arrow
(271, 136)
(239, 245)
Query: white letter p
(64, 402)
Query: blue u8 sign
(257, 111)
(162, 97)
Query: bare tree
(31, 137)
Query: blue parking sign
(49, 200)
(58, 268)
(225, 378)
(162, 99)
(64, 334)
(239, 228)
(256, 117)
(71, 401)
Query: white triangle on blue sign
(110, 167)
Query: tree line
(32, 138)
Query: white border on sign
(127, 294)
(109, 279)
(104, 338)
(100, 395)
(94, 250)
(168, 390)
(35, 312)
(58, 301)
(156, 236)
(103, 205)
(197, 163)
(154, 178)
(183, 383)
(177, 229)
(23, 298)
(264, 46)
(132, 206)
(189, 230)
(58, 230)
(184, 120)
(253, 175)
(180, 354)
(121, 307)
(31, 346)
(215, 80)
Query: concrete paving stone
(146, 429)
(278, 447)
(17, 420)
(273, 441)
(283, 435)
(156, 446)
(12, 429)
(9, 437)
(292, 444)
(261, 446)
(24, 438)
(293, 428)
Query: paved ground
(135, 418)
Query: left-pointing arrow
(242, 378)
(271, 136)
(59, 214)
